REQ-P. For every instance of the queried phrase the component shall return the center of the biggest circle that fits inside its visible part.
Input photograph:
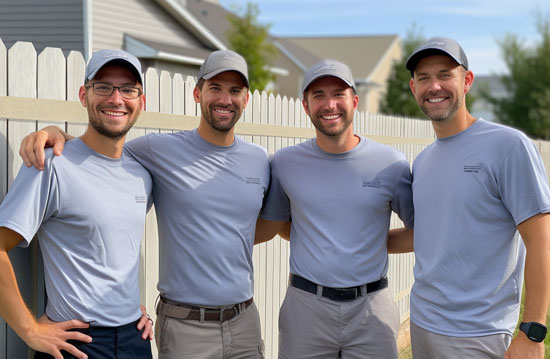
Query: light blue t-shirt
(88, 212)
(207, 199)
(340, 206)
(471, 190)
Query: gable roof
(190, 22)
(363, 54)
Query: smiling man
(87, 209)
(339, 189)
(477, 187)
(208, 190)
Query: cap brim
(122, 62)
(219, 71)
(415, 58)
(320, 76)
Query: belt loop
(201, 317)
(363, 291)
(319, 290)
(158, 303)
(221, 314)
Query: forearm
(12, 307)
(537, 269)
(400, 240)
(537, 286)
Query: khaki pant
(237, 338)
(429, 345)
(311, 326)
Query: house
(177, 35)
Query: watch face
(537, 332)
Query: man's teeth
(222, 111)
(112, 113)
(436, 100)
(331, 117)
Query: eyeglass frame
(140, 91)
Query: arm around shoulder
(32, 146)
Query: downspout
(87, 24)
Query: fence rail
(39, 90)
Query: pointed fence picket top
(22, 70)
(165, 92)
(51, 74)
(76, 71)
(178, 95)
(152, 100)
(190, 104)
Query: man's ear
(304, 103)
(468, 81)
(197, 94)
(411, 85)
(82, 95)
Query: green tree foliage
(398, 99)
(528, 83)
(250, 39)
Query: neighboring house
(370, 59)
(481, 108)
(177, 35)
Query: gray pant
(429, 345)
(311, 326)
(237, 338)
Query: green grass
(407, 353)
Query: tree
(527, 105)
(250, 39)
(398, 99)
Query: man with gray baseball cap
(477, 187)
(84, 209)
(339, 190)
(208, 189)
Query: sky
(478, 25)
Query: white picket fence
(36, 91)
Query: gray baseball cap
(104, 57)
(222, 61)
(437, 46)
(327, 68)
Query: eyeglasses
(127, 92)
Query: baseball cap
(434, 46)
(222, 61)
(104, 57)
(326, 68)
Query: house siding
(51, 23)
(139, 18)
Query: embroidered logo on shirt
(252, 180)
(472, 169)
(372, 184)
(141, 199)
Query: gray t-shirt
(88, 212)
(207, 199)
(471, 190)
(340, 205)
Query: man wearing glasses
(87, 209)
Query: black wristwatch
(534, 331)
